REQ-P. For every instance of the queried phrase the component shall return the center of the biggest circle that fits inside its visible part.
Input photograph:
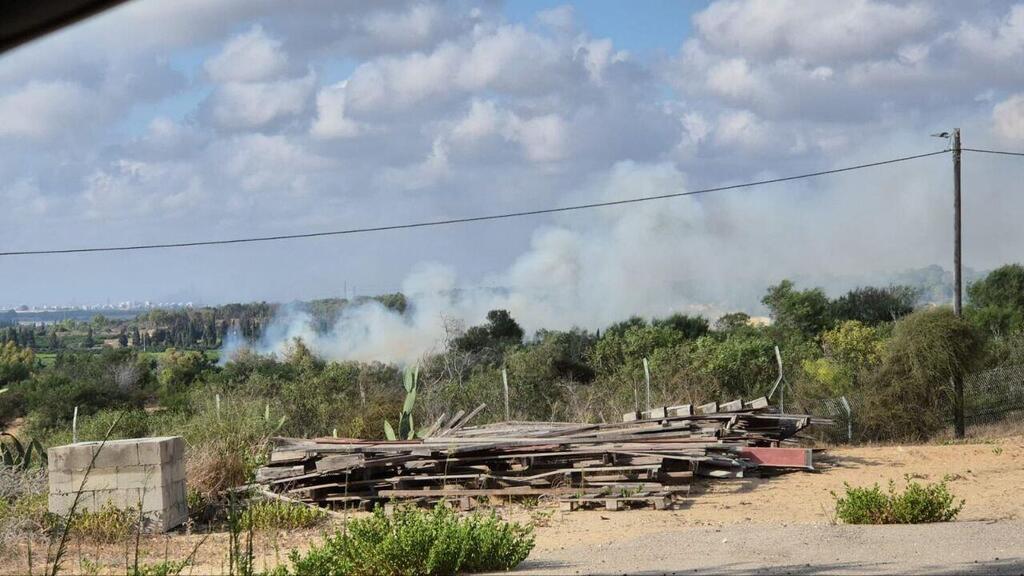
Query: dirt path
(953, 548)
(735, 525)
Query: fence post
(849, 418)
(217, 400)
(504, 383)
(647, 383)
(74, 427)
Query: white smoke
(697, 254)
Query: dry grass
(23, 495)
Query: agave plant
(14, 453)
(406, 429)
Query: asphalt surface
(949, 548)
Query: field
(729, 526)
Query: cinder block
(138, 476)
(147, 472)
(118, 453)
(80, 455)
(100, 479)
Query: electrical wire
(984, 151)
(451, 221)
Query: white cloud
(543, 138)
(132, 188)
(248, 57)
(331, 120)
(273, 165)
(409, 29)
(811, 30)
(43, 110)
(1008, 118)
(1000, 41)
(254, 104)
(483, 120)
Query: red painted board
(779, 457)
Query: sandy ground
(782, 522)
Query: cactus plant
(406, 428)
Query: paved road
(953, 548)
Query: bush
(274, 515)
(917, 504)
(107, 525)
(419, 542)
(909, 396)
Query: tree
(691, 327)
(15, 363)
(805, 311)
(136, 337)
(732, 321)
(500, 332)
(910, 395)
(996, 302)
(90, 341)
(873, 306)
(122, 339)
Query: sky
(209, 119)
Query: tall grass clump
(228, 439)
(272, 515)
(412, 541)
(917, 504)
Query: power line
(1002, 152)
(467, 219)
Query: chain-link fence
(839, 411)
(994, 395)
(991, 397)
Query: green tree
(732, 321)
(691, 327)
(996, 302)
(873, 306)
(500, 332)
(90, 340)
(804, 311)
(15, 363)
(910, 395)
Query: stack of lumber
(649, 458)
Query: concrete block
(146, 472)
(138, 476)
(118, 453)
(99, 479)
(80, 455)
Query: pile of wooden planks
(649, 458)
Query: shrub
(917, 504)
(22, 503)
(419, 542)
(107, 525)
(274, 515)
(909, 396)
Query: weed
(917, 504)
(997, 450)
(107, 525)
(419, 542)
(274, 515)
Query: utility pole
(958, 378)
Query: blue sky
(169, 121)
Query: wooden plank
(709, 408)
(267, 473)
(339, 462)
(734, 406)
(756, 404)
(680, 410)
